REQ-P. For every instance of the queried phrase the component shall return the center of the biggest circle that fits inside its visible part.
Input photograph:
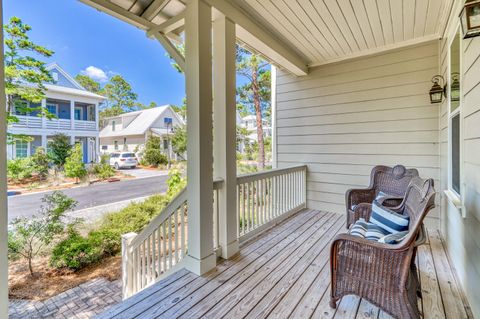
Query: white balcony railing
(28, 121)
(262, 199)
(85, 125)
(58, 124)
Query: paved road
(90, 196)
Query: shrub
(41, 162)
(59, 149)
(153, 154)
(175, 183)
(75, 252)
(74, 166)
(103, 170)
(20, 168)
(30, 235)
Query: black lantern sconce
(437, 91)
(455, 87)
(470, 19)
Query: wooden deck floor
(284, 273)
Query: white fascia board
(67, 93)
(49, 132)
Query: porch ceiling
(296, 34)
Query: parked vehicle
(123, 160)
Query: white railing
(157, 248)
(267, 197)
(85, 125)
(262, 199)
(28, 121)
(59, 124)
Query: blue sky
(83, 37)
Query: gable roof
(143, 120)
(55, 67)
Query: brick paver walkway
(84, 301)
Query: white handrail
(265, 198)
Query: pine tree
(74, 166)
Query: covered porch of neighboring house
(350, 90)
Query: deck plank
(216, 288)
(284, 272)
(244, 278)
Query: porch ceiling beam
(171, 49)
(120, 13)
(261, 40)
(154, 8)
(168, 26)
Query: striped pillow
(393, 238)
(381, 195)
(367, 230)
(388, 219)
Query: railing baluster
(170, 248)
(164, 233)
(159, 254)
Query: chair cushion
(367, 230)
(387, 219)
(393, 238)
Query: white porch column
(274, 115)
(97, 119)
(44, 119)
(224, 120)
(72, 115)
(44, 141)
(3, 189)
(72, 139)
(198, 77)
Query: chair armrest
(421, 237)
(392, 202)
(357, 196)
(363, 210)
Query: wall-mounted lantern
(437, 91)
(455, 87)
(470, 18)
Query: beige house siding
(462, 234)
(343, 119)
(132, 142)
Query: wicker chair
(384, 274)
(392, 181)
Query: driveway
(143, 173)
(91, 196)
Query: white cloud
(95, 73)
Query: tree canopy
(88, 83)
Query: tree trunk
(30, 265)
(258, 111)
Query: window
(78, 113)
(165, 144)
(52, 108)
(454, 104)
(115, 145)
(20, 107)
(113, 125)
(21, 149)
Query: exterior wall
(462, 234)
(343, 119)
(159, 123)
(132, 142)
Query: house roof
(68, 84)
(143, 120)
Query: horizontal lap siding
(461, 235)
(343, 119)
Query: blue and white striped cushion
(367, 230)
(393, 238)
(388, 219)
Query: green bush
(41, 162)
(153, 154)
(75, 252)
(175, 183)
(74, 166)
(20, 168)
(59, 149)
(103, 170)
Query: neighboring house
(76, 110)
(250, 123)
(129, 131)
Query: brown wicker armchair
(392, 181)
(384, 274)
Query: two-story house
(130, 131)
(76, 111)
(250, 123)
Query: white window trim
(452, 195)
(15, 108)
(53, 104)
(15, 149)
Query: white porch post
(72, 115)
(44, 141)
(224, 120)
(72, 139)
(3, 189)
(274, 115)
(44, 119)
(97, 119)
(198, 76)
